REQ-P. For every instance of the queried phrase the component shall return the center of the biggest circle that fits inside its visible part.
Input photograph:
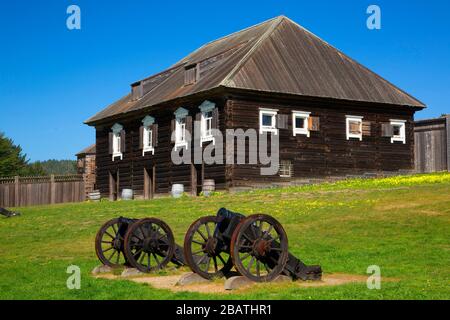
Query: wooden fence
(432, 144)
(30, 191)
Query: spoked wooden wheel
(204, 250)
(149, 244)
(109, 243)
(259, 248)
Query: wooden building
(332, 115)
(86, 166)
(432, 144)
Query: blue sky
(52, 79)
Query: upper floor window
(354, 127)
(190, 74)
(180, 127)
(206, 121)
(180, 131)
(268, 121)
(300, 122)
(117, 141)
(148, 135)
(398, 131)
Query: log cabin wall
(131, 167)
(326, 152)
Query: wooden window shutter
(190, 75)
(155, 135)
(198, 118)
(366, 128)
(111, 141)
(355, 127)
(189, 125)
(314, 124)
(141, 137)
(282, 121)
(172, 130)
(122, 141)
(215, 119)
(387, 130)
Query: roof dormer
(137, 90)
(191, 74)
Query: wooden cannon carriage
(257, 246)
(146, 244)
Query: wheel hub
(117, 244)
(261, 247)
(210, 246)
(150, 244)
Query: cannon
(8, 213)
(257, 246)
(145, 244)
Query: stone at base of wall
(243, 187)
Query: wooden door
(149, 183)
(114, 185)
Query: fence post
(448, 141)
(52, 189)
(16, 191)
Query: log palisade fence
(432, 144)
(30, 191)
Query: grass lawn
(400, 224)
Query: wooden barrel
(209, 186)
(95, 195)
(127, 194)
(177, 190)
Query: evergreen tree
(13, 162)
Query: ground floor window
(268, 121)
(286, 169)
(300, 123)
(354, 127)
(398, 131)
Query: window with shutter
(147, 135)
(398, 131)
(118, 141)
(180, 128)
(354, 127)
(207, 121)
(300, 123)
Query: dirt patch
(169, 283)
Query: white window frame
(301, 131)
(148, 141)
(180, 128)
(271, 129)
(116, 143)
(290, 171)
(147, 122)
(205, 108)
(402, 136)
(347, 125)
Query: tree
(57, 166)
(13, 162)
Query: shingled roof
(89, 150)
(275, 56)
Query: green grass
(401, 224)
